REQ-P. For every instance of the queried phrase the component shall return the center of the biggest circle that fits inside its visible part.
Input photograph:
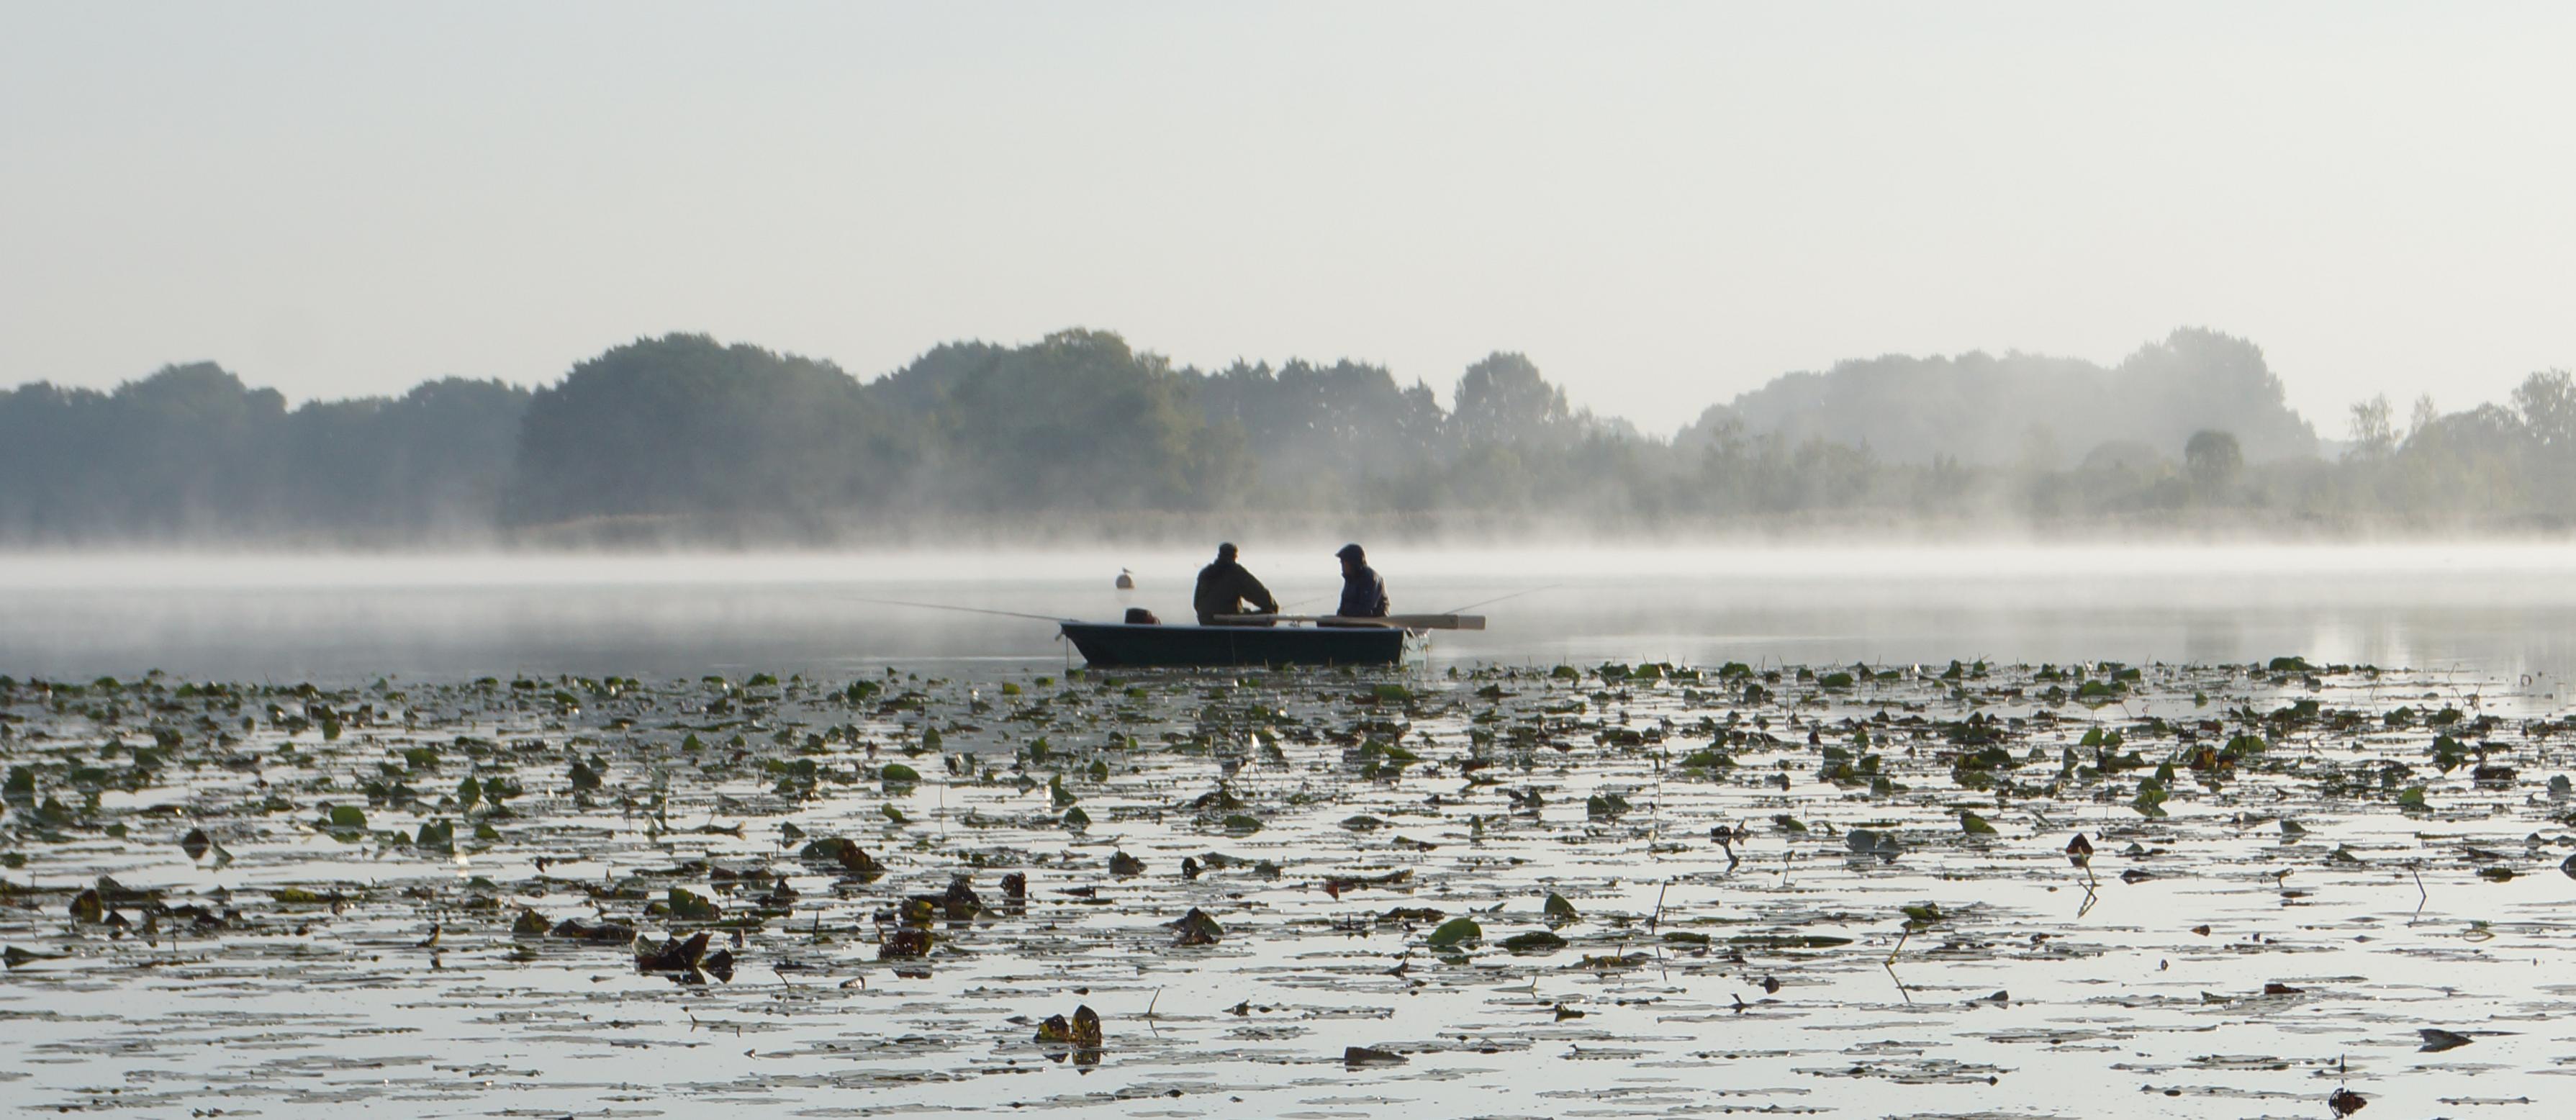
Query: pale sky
(1663, 205)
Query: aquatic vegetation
(867, 894)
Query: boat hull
(1122, 644)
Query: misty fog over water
(2507, 609)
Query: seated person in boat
(1225, 586)
(1363, 593)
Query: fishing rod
(1500, 598)
(947, 607)
(1456, 619)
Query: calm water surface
(342, 619)
(2270, 938)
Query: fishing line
(1500, 598)
(946, 607)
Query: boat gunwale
(1281, 645)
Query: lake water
(2306, 880)
(343, 619)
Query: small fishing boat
(1239, 639)
(1339, 641)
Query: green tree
(1078, 421)
(187, 450)
(2547, 402)
(2373, 433)
(682, 425)
(2477, 461)
(2213, 459)
(433, 461)
(1503, 399)
(1314, 432)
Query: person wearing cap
(1363, 593)
(1225, 586)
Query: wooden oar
(1399, 621)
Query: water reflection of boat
(1354, 642)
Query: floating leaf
(1558, 910)
(436, 836)
(674, 954)
(1788, 941)
(1870, 841)
(905, 944)
(1454, 933)
(1356, 1057)
(2437, 1040)
(2150, 799)
(14, 956)
(689, 906)
(1196, 928)
(845, 854)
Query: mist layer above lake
(344, 618)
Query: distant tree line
(191, 452)
(683, 436)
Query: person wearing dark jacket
(1363, 593)
(1225, 586)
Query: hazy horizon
(1662, 207)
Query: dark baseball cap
(1352, 552)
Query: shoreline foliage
(682, 437)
